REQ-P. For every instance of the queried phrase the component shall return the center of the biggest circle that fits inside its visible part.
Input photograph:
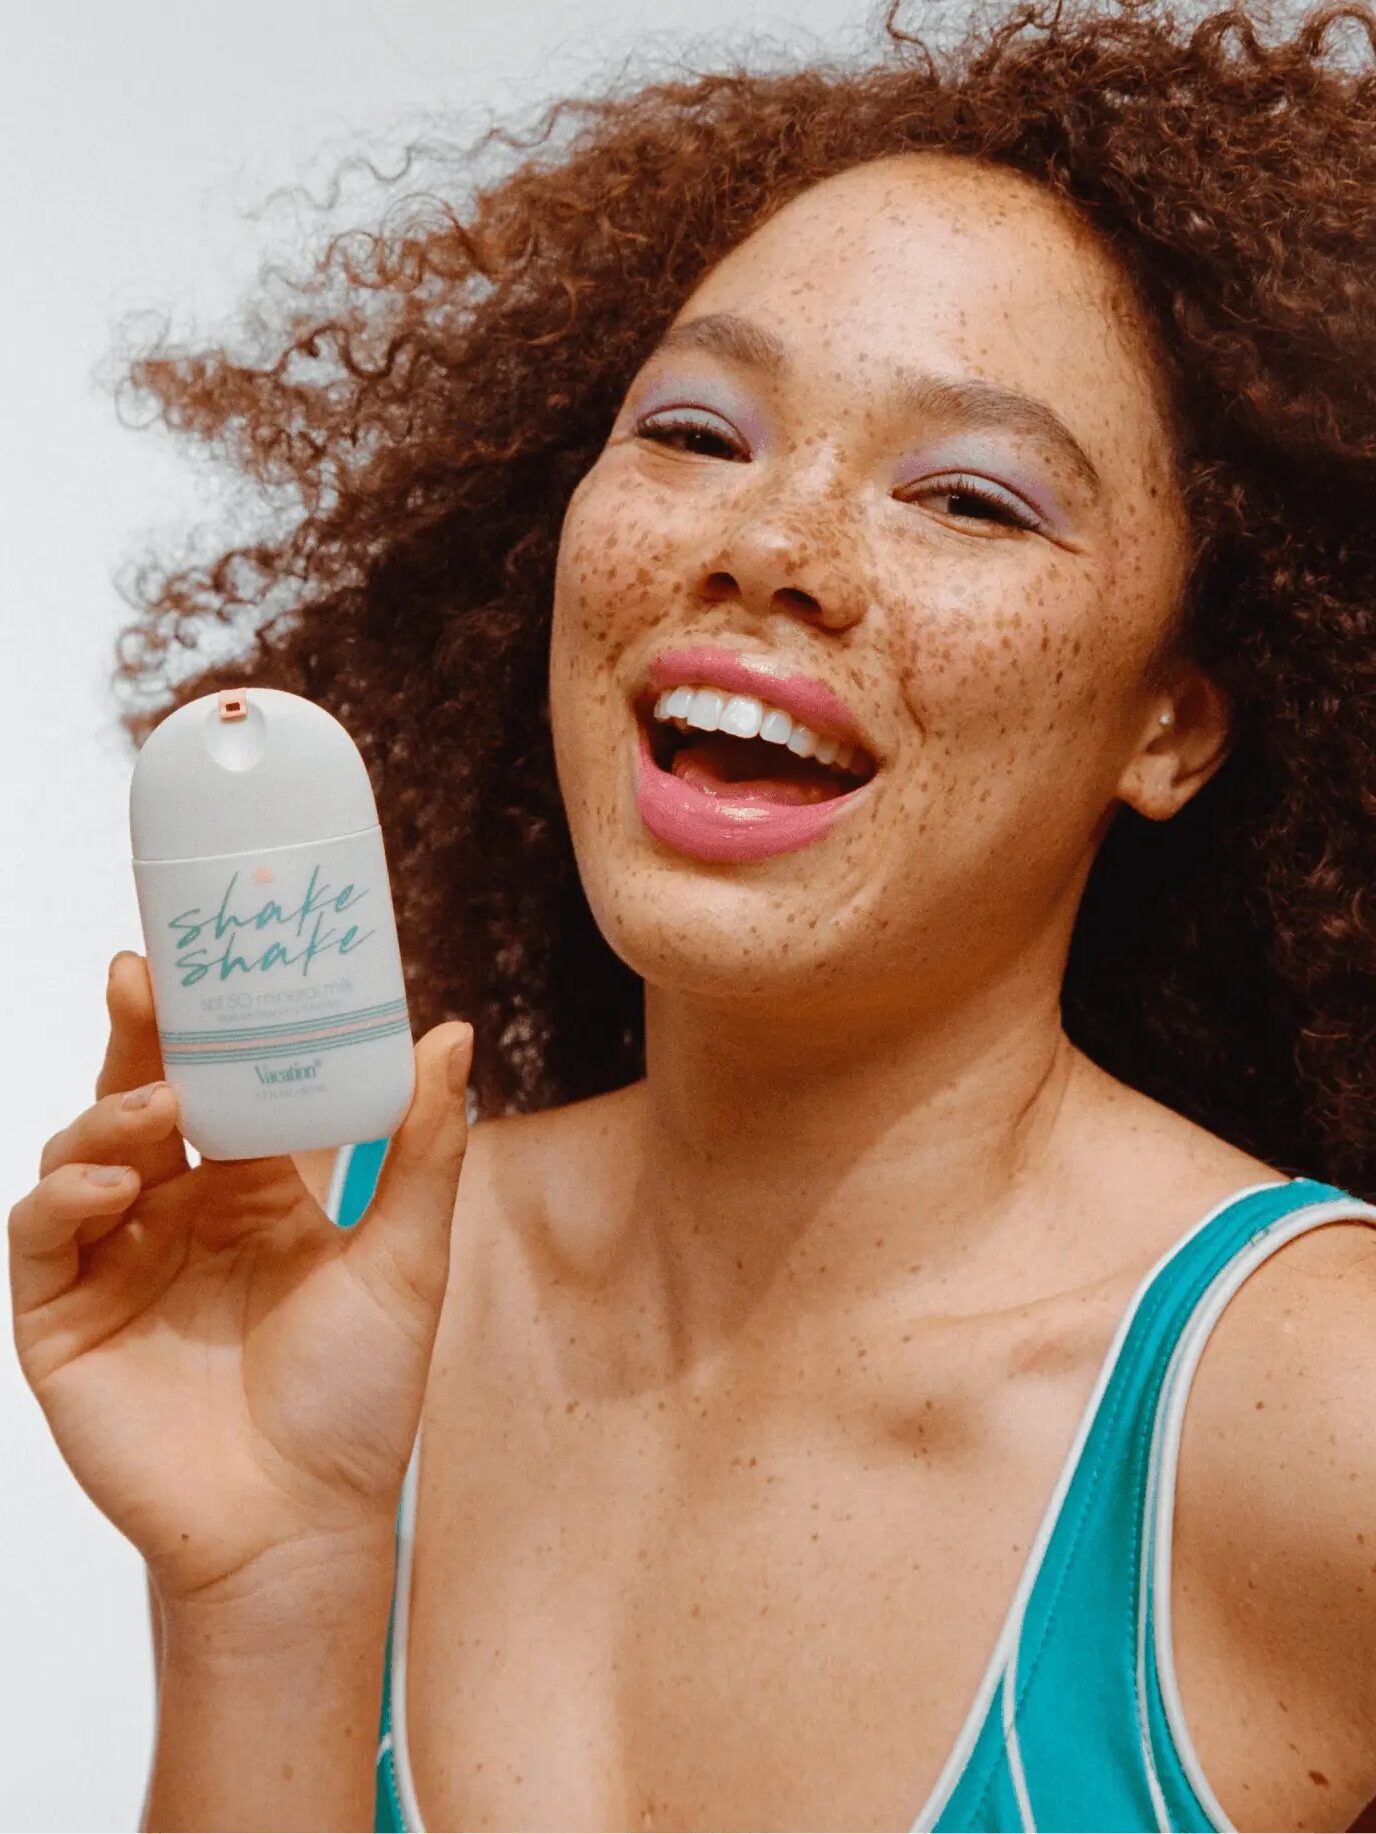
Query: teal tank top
(1077, 1723)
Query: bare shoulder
(1276, 1492)
(506, 1148)
(1288, 1366)
(317, 1167)
(535, 1196)
(528, 1161)
(520, 1173)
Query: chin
(685, 933)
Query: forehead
(930, 261)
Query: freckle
(1317, 1776)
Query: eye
(961, 489)
(689, 430)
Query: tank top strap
(395, 1808)
(1079, 1725)
(353, 1181)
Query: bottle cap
(245, 770)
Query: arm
(236, 1745)
(155, 1624)
(268, 1707)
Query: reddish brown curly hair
(435, 391)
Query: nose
(781, 559)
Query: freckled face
(994, 647)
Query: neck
(797, 1165)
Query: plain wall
(136, 138)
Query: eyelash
(655, 426)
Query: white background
(135, 138)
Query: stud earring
(1165, 719)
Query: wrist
(284, 1602)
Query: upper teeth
(748, 718)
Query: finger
(117, 1130)
(133, 1057)
(74, 1204)
(401, 1242)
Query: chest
(754, 1609)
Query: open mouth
(723, 764)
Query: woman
(884, 1124)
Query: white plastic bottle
(268, 925)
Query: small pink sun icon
(262, 875)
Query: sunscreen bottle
(268, 926)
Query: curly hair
(435, 389)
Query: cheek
(616, 556)
(613, 581)
(1006, 655)
(1005, 684)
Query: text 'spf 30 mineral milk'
(267, 920)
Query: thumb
(401, 1242)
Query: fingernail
(140, 1098)
(107, 1174)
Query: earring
(1165, 719)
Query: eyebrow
(916, 392)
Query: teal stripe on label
(308, 1047)
(388, 1007)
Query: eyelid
(683, 410)
(690, 419)
(692, 416)
(979, 486)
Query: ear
(1174, 761)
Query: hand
(227, 1373)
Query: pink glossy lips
(725, 827)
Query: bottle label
(268, 966)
